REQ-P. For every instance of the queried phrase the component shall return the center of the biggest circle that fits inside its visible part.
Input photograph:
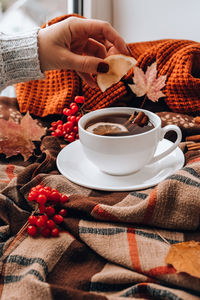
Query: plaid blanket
(112, 245)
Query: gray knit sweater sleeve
(19, 60)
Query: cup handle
(164, 130)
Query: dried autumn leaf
(31, 128)
(147, 83)
(16, 138)
(185, 257)
(119, 65)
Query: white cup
(123, 155)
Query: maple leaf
(147, 83)
(185, 257)
(17, 138)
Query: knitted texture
(178, 59)
(50, 95)
(95, 99)
(58, 89)
(19, 58)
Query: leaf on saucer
(185, 257)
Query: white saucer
(73, 164)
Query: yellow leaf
(119, 65)
(185, 257)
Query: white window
(142, 20)
(98, 9)
(75, 6)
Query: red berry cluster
(50, 212)
(68, 129)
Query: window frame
(78, 7)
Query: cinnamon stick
(195, 138)
(193, 146)
(144, 121)
(130, 119)
(137, 120)
(139, 117)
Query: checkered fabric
(112, 245)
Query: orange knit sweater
(179, 59)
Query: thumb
(86, 64)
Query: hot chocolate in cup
(127, 153)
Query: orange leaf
(147, 83)
(185, 257)
(16, 138)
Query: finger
(98, 30)
(95, 48)
(112, 36)
(89, 79)
(111, 49)
(84, 64)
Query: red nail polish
(102, 67)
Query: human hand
(79, 44)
